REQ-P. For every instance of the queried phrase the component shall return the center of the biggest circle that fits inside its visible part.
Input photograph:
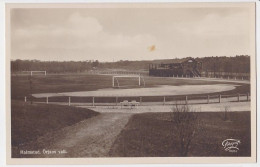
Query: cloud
(85, 35)
(82, 38)
(75, 26)
(83, 26)
(215, 24)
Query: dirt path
(213, 107)
(89, 138)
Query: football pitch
(22, 86)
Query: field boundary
(140, 100)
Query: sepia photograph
(131, 80)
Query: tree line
(237, 64)
(52, 66)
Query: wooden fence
(143, 100)
(143, 73)
(207, 74)
(226, 75)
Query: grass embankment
(31, 121)
(152, 135)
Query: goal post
(31, 72)
(115, 78)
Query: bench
(132, 104)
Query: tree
(95, 63)
(185, 124)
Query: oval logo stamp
(231, 145)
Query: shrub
(185, 125)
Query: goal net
(127, 80)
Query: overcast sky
(112, 34)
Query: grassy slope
(70, 83)
(30, 121)
(150, 134)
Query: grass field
(20, 86)
(147, 134)
(31, 121)
(151, 135)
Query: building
(188, 67)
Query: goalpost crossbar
(126, 76)
(31, 72)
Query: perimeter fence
(141, 100)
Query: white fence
(144, 73)
(144, 100)
(226, 75)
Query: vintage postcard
(120, 83)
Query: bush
(185, 124)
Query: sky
(113, 34)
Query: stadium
(131, 81)
(118, 95)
